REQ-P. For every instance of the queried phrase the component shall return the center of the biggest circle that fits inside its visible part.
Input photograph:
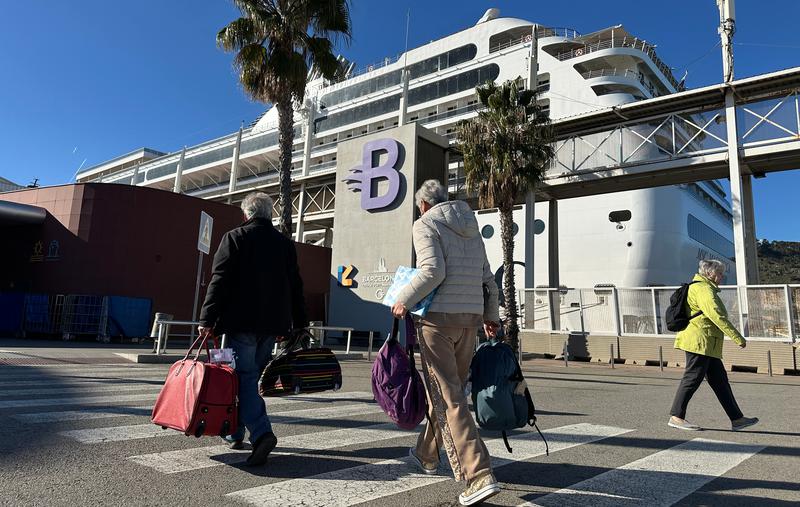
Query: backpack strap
(531, 412)
(505, 441)
(687, 295)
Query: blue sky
(88, 80)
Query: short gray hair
(257, 205)
(431, 192)
(710, 267)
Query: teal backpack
(500, 396)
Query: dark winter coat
(255, 283)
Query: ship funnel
(489, 15)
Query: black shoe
(261, 449)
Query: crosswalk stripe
(88, 382)
(82, 415)
(661, 479)
(92, 400)
(384, 478)
(85, 372)
(137, 431)
(197, 458)
(88, 400)
(79, 390)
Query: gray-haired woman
(452, 259)
(702, 341)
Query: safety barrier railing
(760, 312)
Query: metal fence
(760, 312)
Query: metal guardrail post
(566, 352)
(789, 313)
(655, 311)
(223, 343)
(769, 362)
(745, 332)
(349, 337)
(160, 347)
(580, 302)
(617, 322)
(661, 358)
(369, 345)
(611, 354)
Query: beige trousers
(447, 343)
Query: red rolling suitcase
(198, 397)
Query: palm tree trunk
(509, 288)
(285, 142)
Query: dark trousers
(698, 367)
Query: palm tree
(506, 150)
(276, 43)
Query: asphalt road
(77, 435)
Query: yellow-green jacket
(705, 333)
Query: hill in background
(778, 262)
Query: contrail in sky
(74, 150)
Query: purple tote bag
(396, 383)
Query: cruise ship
(627, 239)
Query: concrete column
(301, 213)
(530, 220)
(179, 172)
(751, 247)
(135, 176)
(533, 61)
(309, 136)
(235, 165)
(403, 116)
(553, 268)
(737, 201)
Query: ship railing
(541, 32)
(769, 313)
(625, 42)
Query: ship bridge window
(442, 61)
(707, 236)
(453, 84)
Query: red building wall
(127, 241)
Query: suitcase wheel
(198, 432)
(164, 428)
(226, 429)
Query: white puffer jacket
(452, 257)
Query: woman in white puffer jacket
(451, 258)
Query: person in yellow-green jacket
(702, 341)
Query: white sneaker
(682, 424)
(479, 489)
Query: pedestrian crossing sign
(204, 237)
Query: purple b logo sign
(361, 177)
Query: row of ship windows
(707, 236)
(433, 91)
(429, 66)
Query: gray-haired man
(255, 294)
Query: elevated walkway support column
(179, 172)
(553, 268)
(301, 213)
(235, 165)
(739, 202)
(530, 224)
(751, 244)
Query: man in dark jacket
(255, 294)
